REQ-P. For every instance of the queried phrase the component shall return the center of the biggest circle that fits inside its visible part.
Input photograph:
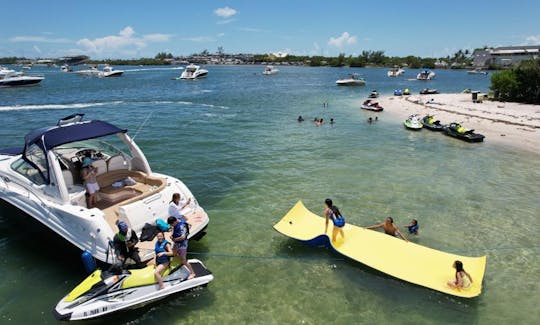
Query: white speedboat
(394, 72)
(92, 72)
(193, 71)
(44, 180)
(425, 75)
(12, 78)
(109, 71)
(270, 70)
(352, 80)
(65, 68)
(105, 292)
(478, 71)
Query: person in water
(319, 122)
(413, 227)
(369, 120)
(300, 118)
(389, 228)
(180, 239)
(163, 252)
(332, 212)
(463, 279)
(332, 120)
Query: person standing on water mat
(332, 212)
(389, 228)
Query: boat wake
(56, 106)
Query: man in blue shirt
(180, 240)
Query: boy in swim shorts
(180, 240)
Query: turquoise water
(234, 140)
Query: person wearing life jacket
(332, 212)
(163, 252)
(180, 240)
(413, 227)
(124, 242)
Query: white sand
(511, 124)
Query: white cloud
(251, 30)
(38, 39)
(220, 34)
(36, 48)
(126, 41)
(345, 38)
(532, 40)
(225, 12)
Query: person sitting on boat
(413, 227)
(163, 252)
(89, 173)
(463, 279)
(124, 242)
(367, 102)
(180, 240)
(332, 212)
(389, 228)
(176, 205)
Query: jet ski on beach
(105, 292)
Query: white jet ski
(105, 292)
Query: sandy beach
(511, 124)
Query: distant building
(505, 56)
(441, 64)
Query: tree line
(520, 84)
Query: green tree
(505, 85)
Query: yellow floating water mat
(404, 260)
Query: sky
(134, 29)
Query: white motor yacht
(92, 72)
(193, 71)
(12, 78)
(270, 70)
(477, 71)
(394, 72)
(44, 180)
(65, 68)
(425, 75)
(109, 71)
(352, 80)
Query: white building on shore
(505, 56)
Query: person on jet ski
(124, 242)
(180, 240)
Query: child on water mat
(332, 212)
(463, 279)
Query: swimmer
(369, 120)
(332, 121)
(463, 279)
(413, 227)
(389, 228)
(300, 118)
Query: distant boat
(93, 71)
(428, 91)
(395, 71)
(478, 71)
(66, 68)
(109, 71)
(270, 70)
(425, 75)
(12, 78)
(193, 71)
(352, 80)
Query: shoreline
(504, 123)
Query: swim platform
(407, 261)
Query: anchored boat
(43, 179)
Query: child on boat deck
(413, 227)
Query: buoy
(88, 262)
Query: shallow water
(234, 140)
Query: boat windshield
(102, 148)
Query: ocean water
(234, 140)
